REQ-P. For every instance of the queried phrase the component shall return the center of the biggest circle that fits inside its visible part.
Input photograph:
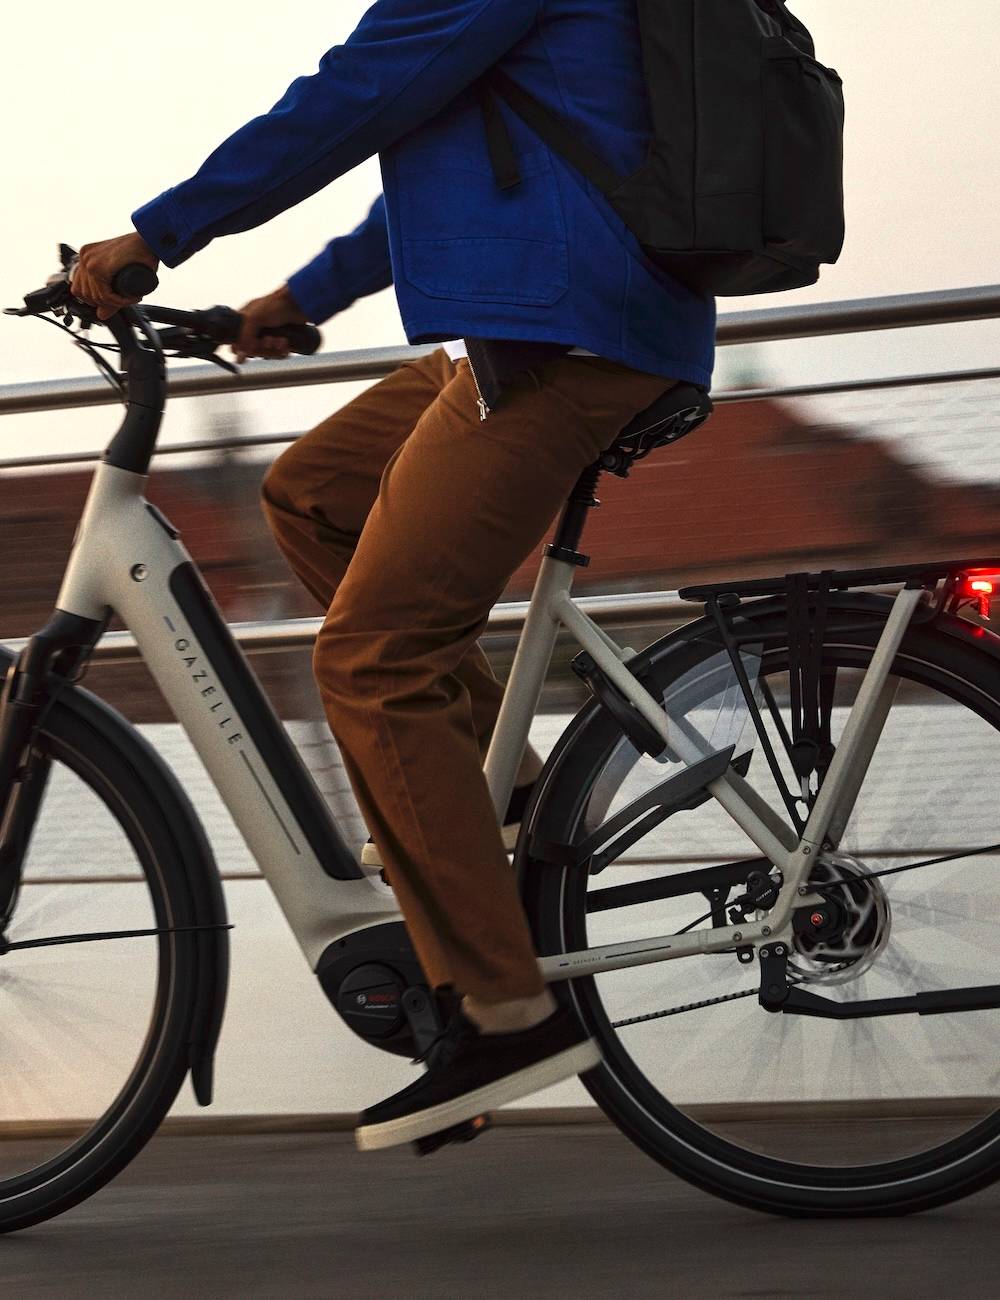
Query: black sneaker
(469, 1072)
(509, 828)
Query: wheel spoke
(935, 862)
(98, 935)
(92, 1032)
(921, 922)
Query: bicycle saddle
(674, 413)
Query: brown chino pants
(405, 515)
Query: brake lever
(220, 362)
(54, 295)
(182, 342)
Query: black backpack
(741, 190)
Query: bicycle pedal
(464, 1132)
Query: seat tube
(526, 679)
(538, 637)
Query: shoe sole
(370, 854)
(408, 1128)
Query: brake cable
(91, 348)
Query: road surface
(523, 1212)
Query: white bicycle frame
(128, 558)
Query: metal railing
(769, 324)
(900, 311)
(631, 609)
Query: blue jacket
(546, 260)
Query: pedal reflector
(464, 1132)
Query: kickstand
(774, 986)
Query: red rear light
(982, 588)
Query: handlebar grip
(304, 339)
(135, 281)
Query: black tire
(146, 808)
(554, 897)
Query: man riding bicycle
(406, 512)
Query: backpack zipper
(484, 410)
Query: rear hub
(839, 939)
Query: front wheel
(95, 1036)
(792, 1114)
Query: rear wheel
(95, 1035)
(794, 1114)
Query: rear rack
(929, 571)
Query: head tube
(145, 371)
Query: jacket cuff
(315, 290)
(350, 267)
(164, 229)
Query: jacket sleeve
(403, 63)
(350, 267)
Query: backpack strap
(553, 130)
(502, 154)
(794, 31)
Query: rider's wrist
(289, 297)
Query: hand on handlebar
(270, 312)
(273, 326)
(99, 263)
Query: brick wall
(755, 491)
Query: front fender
(194, 861)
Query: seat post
(681, 408)
(574, 515)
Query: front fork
(52, 658)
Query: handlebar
(220, 324)
(196, 333)
(142, 377)
(135, 281)
(223, 325)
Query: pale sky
(106, 105)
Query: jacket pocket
(464, 238)
(803, 200)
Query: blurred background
(101, 119)
(103, 113)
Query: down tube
(271, 796)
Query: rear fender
(554, 810)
